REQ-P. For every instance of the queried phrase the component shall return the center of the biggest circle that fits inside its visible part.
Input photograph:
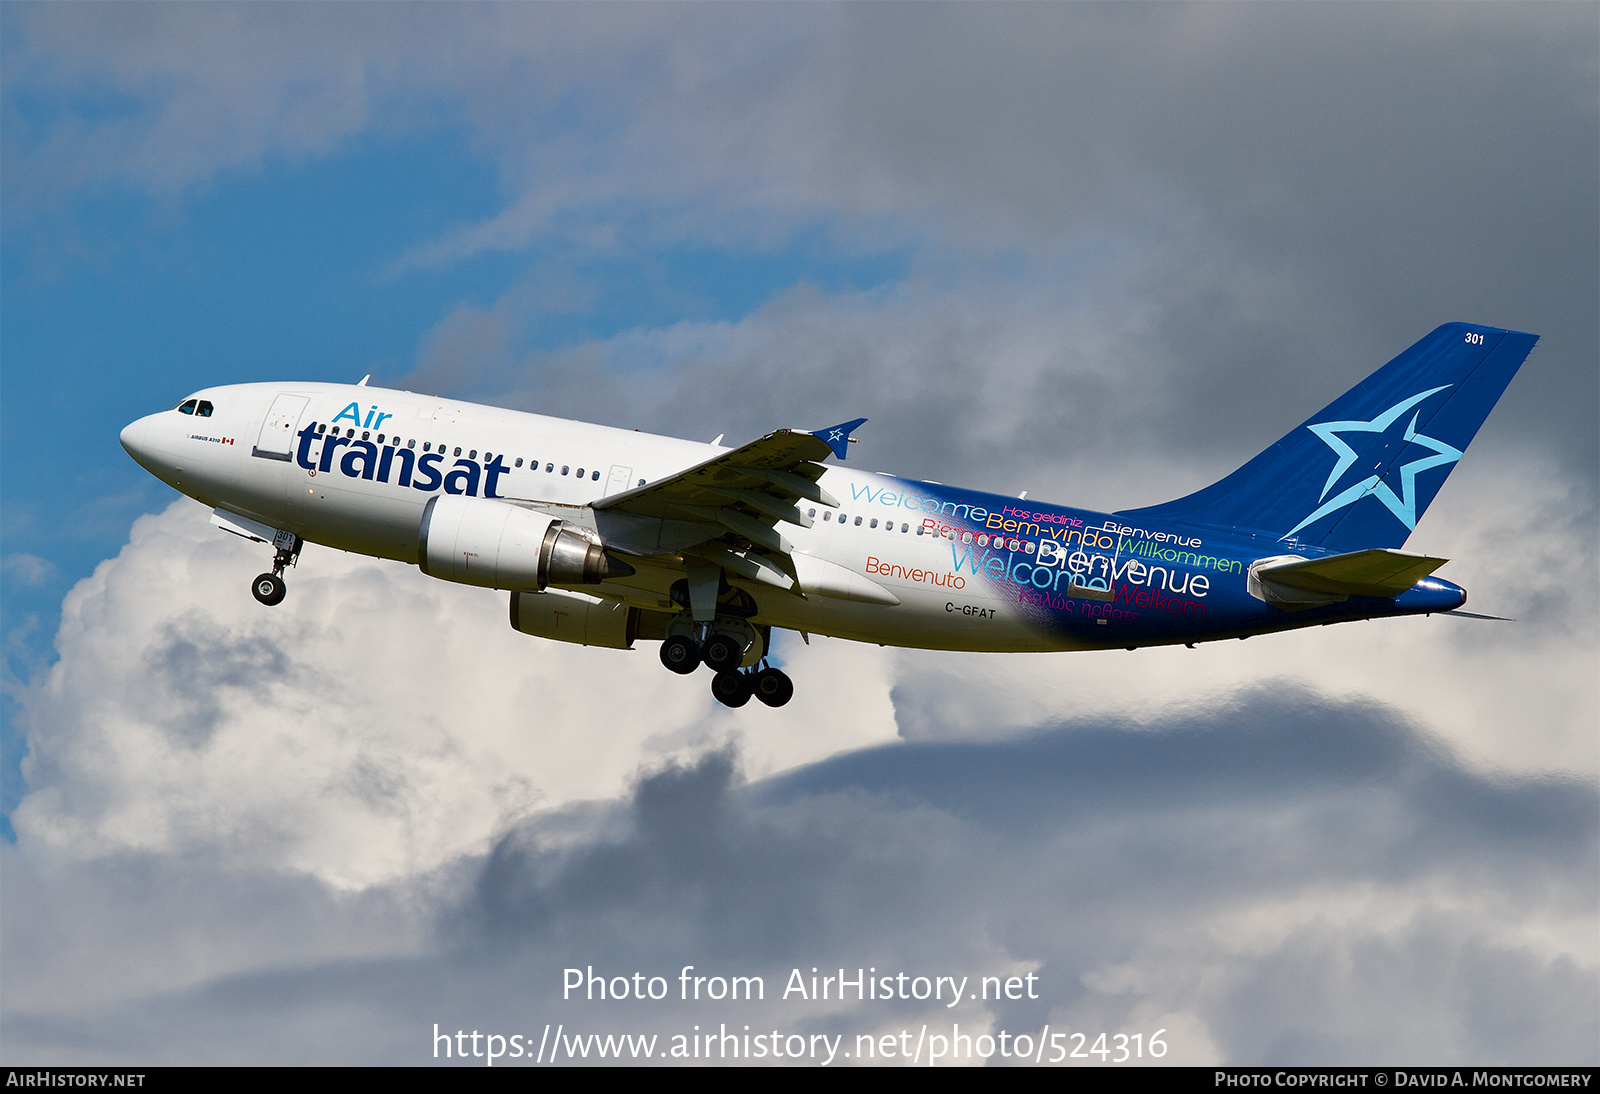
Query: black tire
(773, 687)
(269, 589)
(731, 688)
(723, 652)
(681, 654)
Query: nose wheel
(270, 589)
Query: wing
(726, 511)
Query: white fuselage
(238, 460)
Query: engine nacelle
(573, 617)
(479, 541)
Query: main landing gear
(732, 686)
(269, 588)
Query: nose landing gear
(269, 589)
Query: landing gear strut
(269, 588)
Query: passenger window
(580, 472)
(565, 468)
(966, 537)
(519, 461)
(321, 429)
(1028, 547)
(811, 512)
(458, 450)
(874, 523)
(858, 522)
(905, 528)
(549, 467)
(203, 410)
(827, 516)
(426, 447)
(473, 454)
(365, 435)
(594, 476)
(641, 482)
(919, 529)
(380, 438)
(350, 432)
(187, 408)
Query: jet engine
(479, 541)
(573, 617)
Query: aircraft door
(621, 478)
(277, 431)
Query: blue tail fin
(1362, 471)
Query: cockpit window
(187, 407)
(203, 410)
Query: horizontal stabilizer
(1293, 582)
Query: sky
(1103, 253)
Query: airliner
(609, 537)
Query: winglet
(837, 437)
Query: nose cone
(138, 441)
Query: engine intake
(478, 541)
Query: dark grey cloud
(1201, 865)
(1291, 194)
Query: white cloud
(25, 569)
(374, 726)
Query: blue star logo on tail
(837, 437)
(1404, 505)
